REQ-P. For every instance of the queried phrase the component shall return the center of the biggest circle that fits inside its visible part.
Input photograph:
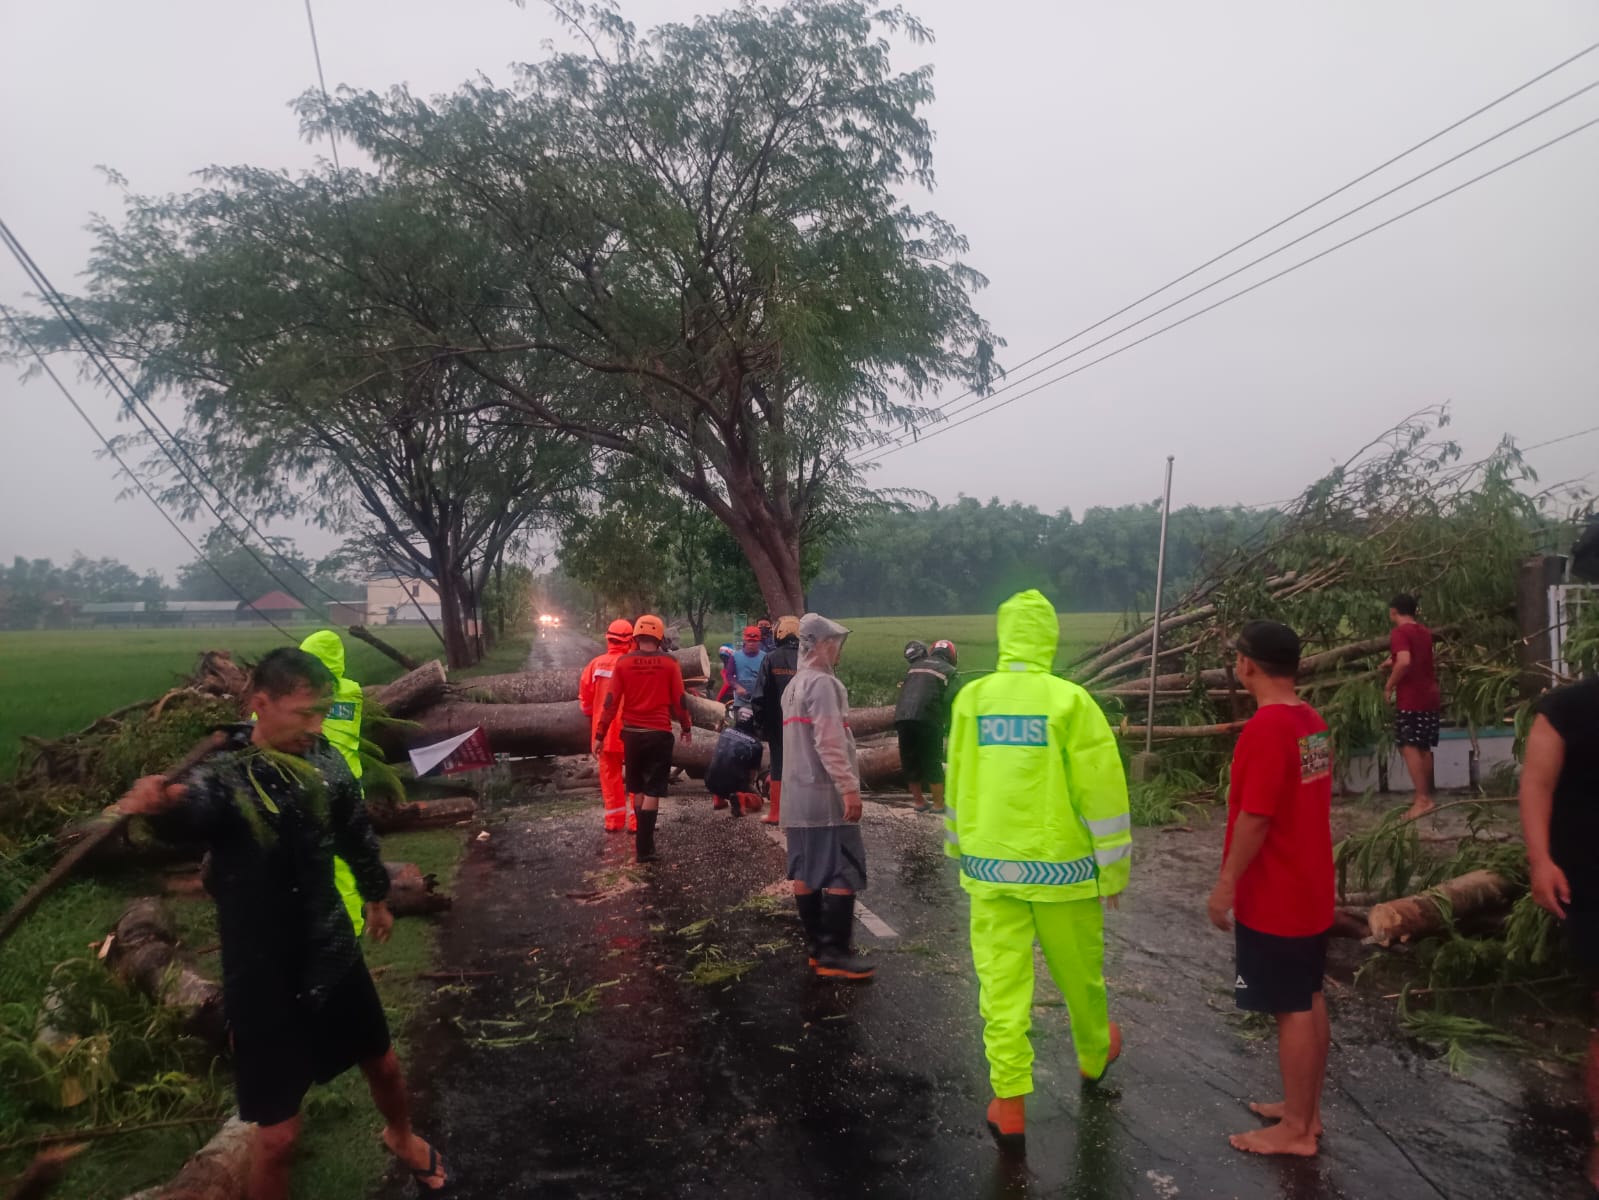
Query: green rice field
(55, 681)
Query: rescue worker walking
(342, 728)
(646, 692)
(1038, 819)
(921, 715)
(777, 669)
(592, 687)
(822, 808)
(272, 807)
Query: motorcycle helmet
(945, 649)
(915, 651)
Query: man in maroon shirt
(1413, 687)
(1277, 879)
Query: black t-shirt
(1574, 826)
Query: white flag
(425, 758)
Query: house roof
(107, 607)
(201, 606)
(278, 602)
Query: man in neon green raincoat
(342, 728)
(1037, 816)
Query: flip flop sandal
(422, 1175)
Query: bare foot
(1420, 808)
(1275, 1139)
(415, 1154)
(1276, 1110)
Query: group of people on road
(1035, 812)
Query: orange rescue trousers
(613, 790)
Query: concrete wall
(1451, 763)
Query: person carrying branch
(646, 693)
(273, 807)
(1560, 820)
(1277, 879)
(1037, 815)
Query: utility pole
(1146, 765)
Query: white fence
(1567, 602)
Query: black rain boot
(644, 849)
(810, 914)
(834, 956)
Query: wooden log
(1226, 729)
(421, 814)
(363, 634)
(144, 953)
(412, 692)
(521, 687)
(1416, 916)
(866, 722)
(219, 1170)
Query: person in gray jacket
(822, 801)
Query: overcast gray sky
(1090, 151)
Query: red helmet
(945, 649)
(619, 631)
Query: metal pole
(1160, 582)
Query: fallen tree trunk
(144, 954)
(1422, 915)
(219, 1170)
(535, 729)
(412, 692)
(421, 814)
(865, 722)
(553, 685)
(362, 634)
(1126, 729)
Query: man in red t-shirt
(1413, 686)
(1277, 879)
(646, 693)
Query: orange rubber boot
(776, 797)
(1115, 1052)
(1007, 1121)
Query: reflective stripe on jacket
(1036, 795)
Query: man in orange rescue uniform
(646, 693)
(591, 689)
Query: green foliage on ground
(57, 681)
(139, 1068)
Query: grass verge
(341, 1154)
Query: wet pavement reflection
(655, 1032)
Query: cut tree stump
(1420, 915)
(413, 894)
(412, 692)
(219, 1170)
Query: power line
(21, 336)
(1278, 225)
(945, 428)
(1564, 438)
(322, 82)
(132, 400)
(1254, 262)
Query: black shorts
(1277, 974)
(1581, 926)
(647, 760)
(921, 751)
(774, 759)
(275, 1066)
(1416, 728)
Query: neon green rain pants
(1072, 934)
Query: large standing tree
(270, 306)
(710, 221)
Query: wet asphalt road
(655, 1032)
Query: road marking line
(875, 925)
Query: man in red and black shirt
(1413, 687)
(646, 693)
(1277, 879)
